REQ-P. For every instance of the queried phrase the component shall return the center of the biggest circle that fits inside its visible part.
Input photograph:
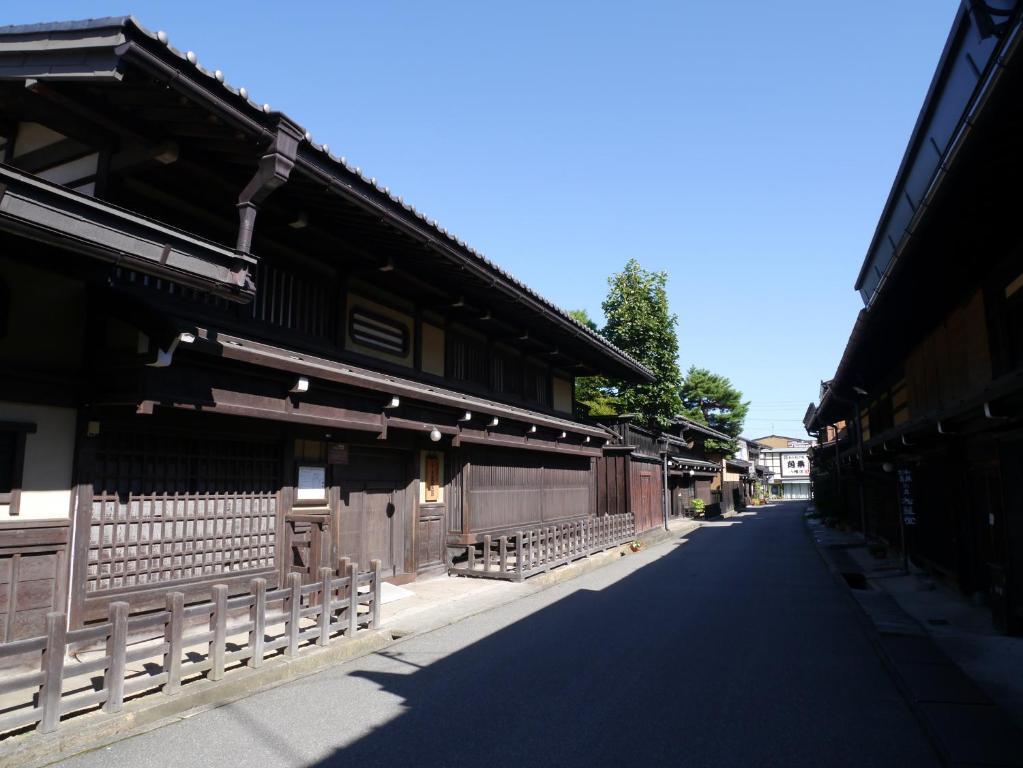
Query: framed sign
(433, 479)
(337, 453)
(311, 484)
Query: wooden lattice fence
(305, 615)
(529, 552)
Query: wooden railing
(186, 643)
(526, 553)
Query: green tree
(639, 322)
(710, 399)
(594, 391)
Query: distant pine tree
(710, 399)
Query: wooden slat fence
(306, 615)
(526, 553)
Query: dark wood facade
(630, 473)
(921, 427)
(242, 357)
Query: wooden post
(374, 621)
(471, 554)
(257, 616)
(294, 606)
(117, 648)
(325, 594)
(218, 624)
(502, 554)
(53, 668)
(353, 598)
(519, 556)
(486, 552)
(172, 634)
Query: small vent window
(378, 333)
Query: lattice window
(294, 302)
(167, 508)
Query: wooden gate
(171, 510)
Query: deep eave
(968, 69)
(99, 49)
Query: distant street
(735, 648)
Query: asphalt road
(734, 648)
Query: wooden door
(372, 514)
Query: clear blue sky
(744, 147)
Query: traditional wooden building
(229, 353)
(931, 380)
(656, 474)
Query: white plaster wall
(49, 455)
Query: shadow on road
(709, 654)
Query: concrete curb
(97, 730)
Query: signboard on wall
(795, 465)
(906, 508)
(337, 453)
(432, 486)
(312, 483)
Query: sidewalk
(435, 602)
(963, 677)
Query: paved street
(734, 648)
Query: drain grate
(855, 580)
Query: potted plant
(698, 507)
(635, 546)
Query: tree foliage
(710, 399)
(594, 391)
(639, 322)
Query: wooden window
(536, 386)
(377, 332)
(506, 373)
(468, 360)
(301, 303)
(12, 463)
(168, 507)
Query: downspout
(274, 169)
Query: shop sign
(906, 507)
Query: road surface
(735, 647)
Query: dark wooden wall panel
(507, 490)
(33, 576)
(611, 485)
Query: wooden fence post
(218, 623)
(53, 668)
(172, 634)
(294, 608)
(326, 588)
(471, 557)
(519, 556)
(353, 598)
(486, 552)
(117, 648)
(374, 622)
(502, 554)
(257, 616)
